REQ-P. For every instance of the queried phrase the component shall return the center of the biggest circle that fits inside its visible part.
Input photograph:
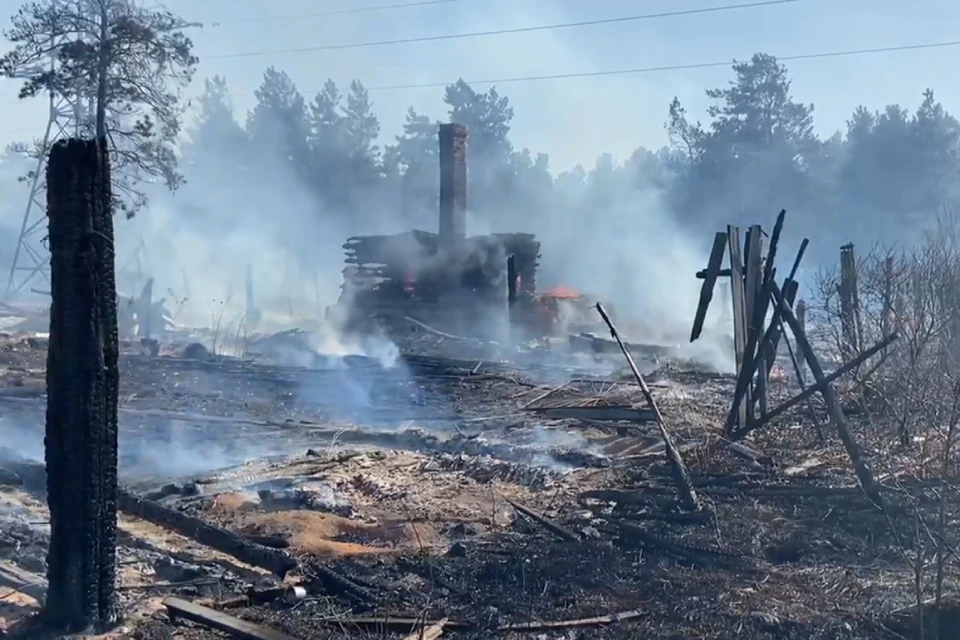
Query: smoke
(150, 449)
(609, 231)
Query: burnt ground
(400, 495)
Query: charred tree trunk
(82, 389)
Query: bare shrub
(908, 397)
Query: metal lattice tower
(30, 257)
(68, 116)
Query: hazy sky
(574, 120)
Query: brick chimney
(453, 184)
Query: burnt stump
(82, 390)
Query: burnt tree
(82, 389)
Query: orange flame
(561, 292)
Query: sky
(574, 120)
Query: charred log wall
(82, 388)
(379, 265)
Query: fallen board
(620, 413)
(220, 621)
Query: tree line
(893, 169)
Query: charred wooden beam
(711, 274)
(82, 390)
(722, 273)
(849, 302)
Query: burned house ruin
(446, 279)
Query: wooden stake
(849, 302)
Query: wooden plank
(709, 281)
(755, 310)
(761, 389)
(753, 274)
(379, 624)
(220, 621)
(431, 632)
(737, 294)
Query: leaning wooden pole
(688, 495)
(82, 391)
(860, 466)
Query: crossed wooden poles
(755, 294)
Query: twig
(545, 394)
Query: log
(222, 540)
(688, 496)
(862, 470)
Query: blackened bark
(82, 388)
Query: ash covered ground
(510, 494)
